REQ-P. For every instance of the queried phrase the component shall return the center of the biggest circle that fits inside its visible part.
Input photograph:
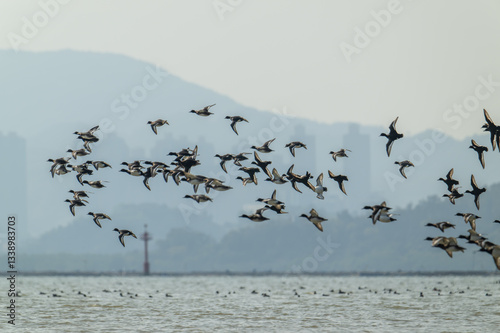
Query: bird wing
(273, 196)
(487, 117)
(223, 165)
(341, 186)
(121, 238)
(233, 126)
(473, 182)
(294, 185)
(276, 174)
(318, 225)
(392, 127)
(96, 220)
(292, 150)
(257, 157)
(330, 174)
(388, 147)
(402, 171)
(450, 173)
(267, 143)
(319, 180)
(72, 209)
(313, 213)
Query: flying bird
(234, 121)
(261, 164)
(225, 158)
(122, 233)
(99, 216)
(203, 112)
(315, 219)
(449, 181)
(74, 203)
(295, 144)
(340, 153)
(479, 150)
(441, 225)
(339, 179)
(469, 218)
(493, 129)
(392, 136)
(265, 147)
(476, 191)
(157, 123)
(403, 165)
(319, 189)
(257, 216)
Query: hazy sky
(332, 61)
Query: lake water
(369, 304)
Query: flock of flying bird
(184, 160)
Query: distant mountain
(54, 94)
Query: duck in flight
(223, 159)
(448, 244)
(449, 181)
(157, 123)
(261, 164)
(304, 179)
(453, 195)
(203, 112)
(78, 152)
(234, 121)
(199, 197)
(469, 218)
(257, 216)
(479, 150)
(271, 201)
(340, 153)
(240, 157)
(251, 173)
(476, 191)
(493, 129)
(99, 216)
(75, 203)
(319, 189)
(295, 144)
(265, 147)
(277, 178)
(339, 179)
(392, 136)
(94, 183)
(403, 165)
(441, 225)
(122, 233)
(315, 219)
(376, 210)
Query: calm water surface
(369, 304)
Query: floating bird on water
(99, 216)
(392, 136)
(476, 191)
(449, 181)
(203, 112)
(257, 216)
(122, 233)
(315, 219)
(479, 150)
(295, 144)
(469, 218)
(234, 121)
(403, 165)
(73, 203)
(261, 164)
(493, 129)
(441, 225)
(340, 153)
(157, 123)
(199, 197)
(319, 189)
(339, 179)
(265, 147)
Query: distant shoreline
(261, 274)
